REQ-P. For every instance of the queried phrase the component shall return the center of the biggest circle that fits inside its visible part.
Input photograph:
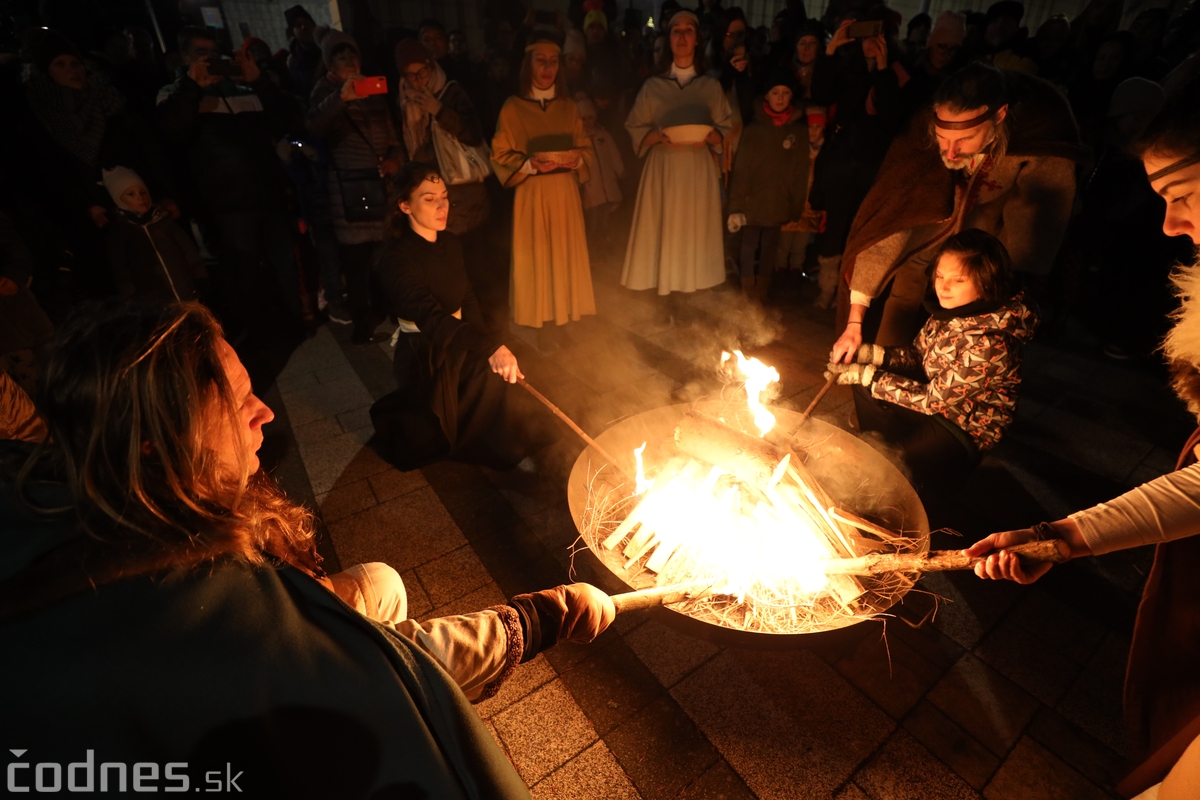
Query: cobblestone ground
(1010, 693)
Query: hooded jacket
(151, 256)
(964, 368)
(770, 171)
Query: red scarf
(779, 119)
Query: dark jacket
(303, 65)
(770, 173)
(23, 323)
(966, 365)
(153, 257)
(258, 668)
(359, 135)
(226, 133)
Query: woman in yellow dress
(541, 150)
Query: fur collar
(1182, 344)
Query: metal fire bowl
(856, 476)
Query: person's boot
(748, 286)
(827, 279)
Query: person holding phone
(359, 133)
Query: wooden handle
(659, 596)
(612, 462)
(1054, 551)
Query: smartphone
(224, 68)
(367, 86)
(545, 17)
(865, 30)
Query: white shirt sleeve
(1165, 509)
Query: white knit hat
(950, 28)
(119, 179)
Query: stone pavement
(1010, 693)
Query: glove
(869, 354)
(578, 612)
(851, 374)
(735, 222)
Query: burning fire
(758, 378)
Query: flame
(643, 485)
(758, 377)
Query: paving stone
(406, 532)
(592, 775)
(669, 654)
(418, 601)
(1096, 762)
(1057, 624)
(970, 760)
(342, 501)
(342, 373)
(851, 791)
(890, 672)
(555, 527)
(1087, 444)
(536, 747)
(527, 493)
(317, 430)
(974, 605)
(295, 381)
(1032, 772)
(931, 644)
(524, 679)
(366, 462)
(661, 749)
(1094, 702)
(611, 685)
(985, 703)
(332, 461)
(356, 418)
(453, 575)
(483, 597)
(783, 742)
(719, 783)
(391, 483)
(320, 352)
(904, 770)
(325, 400)
(1028, 661)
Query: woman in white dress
(675, 244)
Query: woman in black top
(453, 399)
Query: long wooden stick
(1054, 551)
(820, 395)
(571, 424)
(660, 596)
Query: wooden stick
(660, 596)
(821, 394)
(571, 424)
(855, 521)
(1054, 551)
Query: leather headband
(1182, 163)
(938, 122)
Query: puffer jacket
(334, 120)
(967, 368)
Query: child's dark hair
(985, 259)
(407, 179)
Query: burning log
(751, 459)
(1054, 551)
(659, 596)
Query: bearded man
(996, 150)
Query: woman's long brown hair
(129, 393)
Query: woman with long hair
(454, 397)
(675, 244)
(540, 149)
(162, 601)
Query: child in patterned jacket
(947, 398)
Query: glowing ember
(643, 485)
(758, 377)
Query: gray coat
(330, 118)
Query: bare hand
(839, 37)
(846, 347)
(250, 70)
(504, 364)
(877, 46)
(654, 137)
(99, 216)
(739, 63)
(348, 93)
(1001, 564)
(198, 72)
(426, 101)
(543, 164)
(389, 167)
(8, 287)
(713, 138)
(576, 159)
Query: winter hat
(950, 28)
(816, 115)
(779, 76)
(888, 16)
(118, 180)
(1136, 96)
(597, 17)
(586, 106)
(50, 46)
(334, 40)
(812, 28)
(410, 51)
(1006, 8)
(574, 42)
(294, 13)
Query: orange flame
(758, 378)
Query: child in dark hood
(150, 255)
(949, 396)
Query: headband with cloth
(965, 125)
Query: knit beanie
(331, 41)
(118, 180)
(816, 115)
(294, 13)
(779, 76)
(410, 51)
(50, 46)
(950, 28)
(597, 17)
(1006, 8)
(1136, 96)
(812, 27)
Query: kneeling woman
(454, 398)
(948, 397)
